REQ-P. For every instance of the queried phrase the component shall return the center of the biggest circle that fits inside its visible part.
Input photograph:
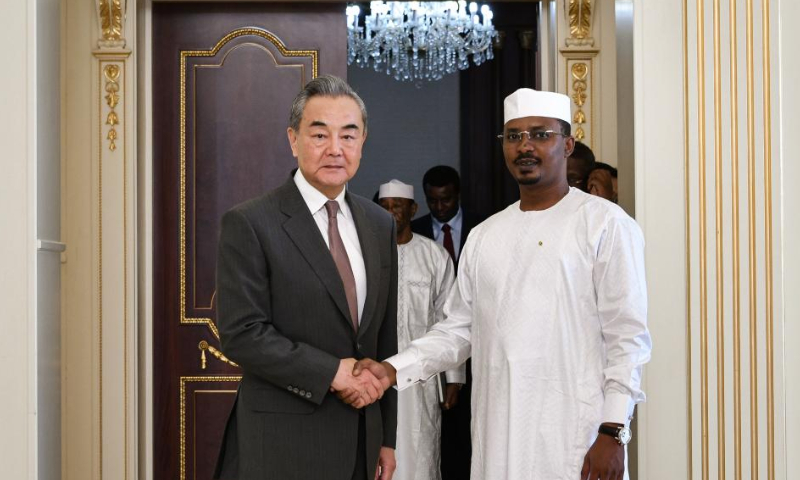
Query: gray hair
(325, 86)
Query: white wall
(17, 251)
(410, 130)
(625, 95)
(48, 221)
(662, 443)
(30, 353)
(790, 171)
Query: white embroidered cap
(396, 189)
(527, 102)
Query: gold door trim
(312, 54)
(182, 403)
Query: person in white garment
(425, 277)
(550, 301)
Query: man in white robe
(550, 300)
(425, 276)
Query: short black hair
(605, 166)
(583, 153)
(440, 176)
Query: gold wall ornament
(579, 73)
(579, 17)
(112, 138)
(112, 16)
(111, 73)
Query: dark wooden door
(224, 76)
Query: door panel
(224, 76)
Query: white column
(100, 304)
(586, 71)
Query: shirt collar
(315, 200)
(453, 222)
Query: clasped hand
(360, 389)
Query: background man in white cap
(424, 278)
(550, 301)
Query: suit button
(308, 394)
(290, 388)
(296, 390)
(302, 393)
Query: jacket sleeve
(387, 346)
(246, 328)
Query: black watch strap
(610, 431)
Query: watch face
(624, 435)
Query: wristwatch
(621, 434)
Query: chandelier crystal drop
(414, 41)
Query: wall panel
(731, 250)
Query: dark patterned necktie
(448, 241)
(342, 261)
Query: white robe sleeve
(443, 288)
(619, 280)
(447, 345)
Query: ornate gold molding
(111, 73)
(112, 18)
(579, 85)
(579, 72)
(579, 18)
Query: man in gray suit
(307, 284)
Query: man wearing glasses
(550, 301)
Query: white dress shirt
(455, 230)
(315, 200)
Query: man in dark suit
(306, 284)
(449, 225)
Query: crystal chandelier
(419, 40)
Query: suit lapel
(369, 249)
(303, 231)
(428, 227)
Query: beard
(527, 180)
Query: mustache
(527, 156)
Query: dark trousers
(456, 437)
(360, 472)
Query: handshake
(361, 383)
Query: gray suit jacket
(283, 317)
